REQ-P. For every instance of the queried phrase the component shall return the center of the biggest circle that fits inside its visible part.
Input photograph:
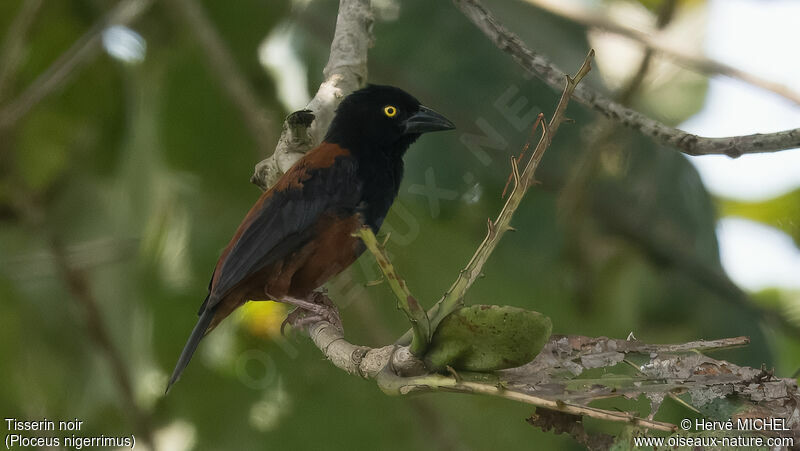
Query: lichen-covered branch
(687, 143)
(709, 385)
(420, 326)
(345, 72)
(398, 372)
(554, 380)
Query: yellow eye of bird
(390, 111)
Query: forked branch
(420, 326)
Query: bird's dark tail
(197, 334)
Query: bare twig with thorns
(420, 326)
(539, 119)
(454, 297)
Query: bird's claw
(307, 312)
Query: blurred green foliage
(142, 170)
(781, 212)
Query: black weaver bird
(300, 232)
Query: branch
(659, 371)
(83, 256)
(14, 41)
(548, 382)
(81, 51)
(398, 372)
(228, 74)
(345, 72)
(81, 291)
(665, 14)
(362, 360)
(420, 326)
(436, 382)
(687, 143)
(653, 40)
(574, 193)
(552, 380)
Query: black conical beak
(426, 120)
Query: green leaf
(44, 152)
(782, 212)
(488, 338)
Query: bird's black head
(382, 119)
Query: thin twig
(81, 256)
(698, 345)
(229, 76)
(573, 197)
(81, 291)
(14, 42)
(687, 143)
(436, 382)
(653, 40)
(666, 12)
(575, 189)
(420, 325)
(454, 297)
(521, 156)
(86, 47)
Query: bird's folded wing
(286, 219)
